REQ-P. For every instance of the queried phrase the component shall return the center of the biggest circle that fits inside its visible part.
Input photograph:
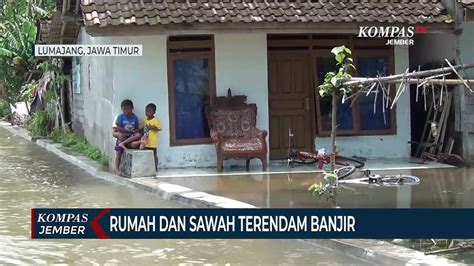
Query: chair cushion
(242, 145)
(234, 123)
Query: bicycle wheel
(344, 171)
(400, 180)
(346, 161)
(303, 160)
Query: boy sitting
(125, 130)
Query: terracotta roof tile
(152, 12)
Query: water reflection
(31, 177)
(439, 188)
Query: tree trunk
(333, 130)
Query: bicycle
(385, 180)
(321, 158)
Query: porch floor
(280, 167)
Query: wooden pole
(414, 81)
(333, 129)
(352, 82)
(461, 248)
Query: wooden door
(289, 84)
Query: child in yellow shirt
(151, 126)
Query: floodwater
(439, 188)
(31, 177)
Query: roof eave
(266, 27)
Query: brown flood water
(439, 188)
(31, 177)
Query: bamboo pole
(414, 81)
(455, 249)
(353, 82)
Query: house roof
(104, 13)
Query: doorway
(290, 100)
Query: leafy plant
(333, 86)
(27, 90)
(333, 81)
(320, 188)
(79, 144)
(55, 88)
(4, 108)
(17, 36)
(41, 122)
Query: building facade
(276, 53)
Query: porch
(279, 167)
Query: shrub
(40, 123)
(79, 144)
(4, 109)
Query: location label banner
(252, 223)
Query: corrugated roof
(153, 12)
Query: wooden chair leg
(220, 165)
(247, 164)
(264, 163)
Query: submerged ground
(439, 188)
(31, 177)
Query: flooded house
(274, 52)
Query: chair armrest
(216, 136)
(260, 133)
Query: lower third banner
(252, 223)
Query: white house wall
(95, 110)
(466, 41)
(388, 146)
(465, 100)
(241, 64)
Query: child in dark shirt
(125, 130)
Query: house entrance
(291, 85)
(297, 64)
(290, 101)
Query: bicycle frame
(293, 154)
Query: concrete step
(137, 163)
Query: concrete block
(137, 163)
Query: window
(191, 87)
(374, 118)
(77, 72)
(358, 119)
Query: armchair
(233, 130)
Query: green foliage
(17, 36)
(54, 67)
(27, 90)
(4, 108)
(321, 188)
(49, 66)
(333, 81)
(41, 123)
(79, 144)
